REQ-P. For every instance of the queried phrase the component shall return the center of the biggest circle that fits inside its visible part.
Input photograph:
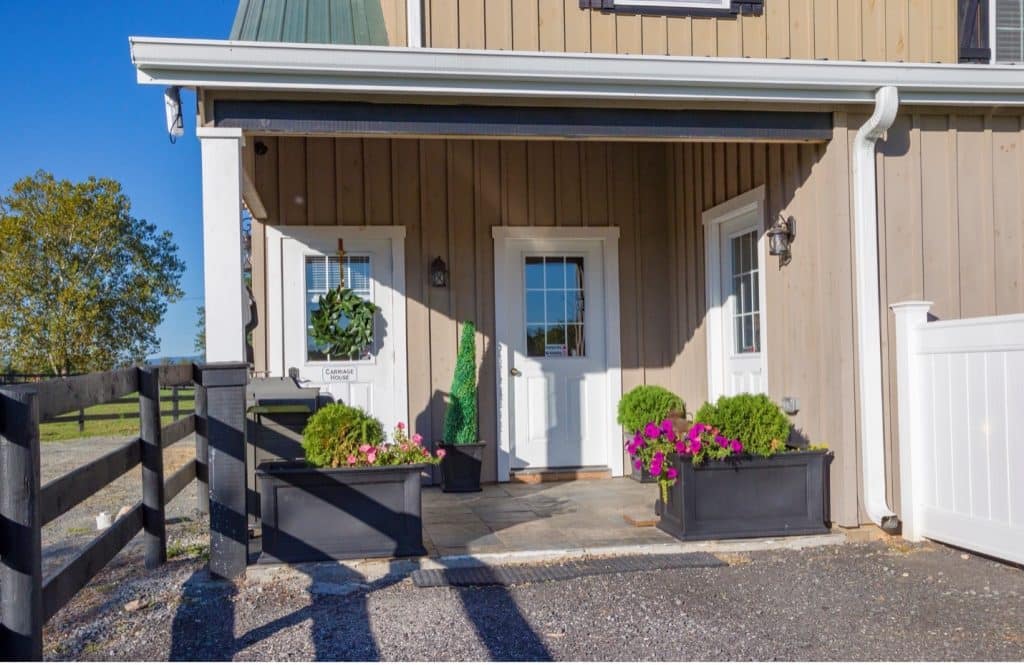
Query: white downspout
(414, 23)
(869, 329)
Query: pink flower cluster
(404, 450)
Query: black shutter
(974, 37)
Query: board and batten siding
(449, 194)
(874, 30)
(951, 216)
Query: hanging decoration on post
(343, 321)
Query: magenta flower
(371, 457)
(672, 473)
(400, 425)
(365, 448)
(441, 452)
(351, 460)
(736, 446)
(652, 431)
(417, 439)
(695, 447)
(681, 447)
(638, 465)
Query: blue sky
(71, 106)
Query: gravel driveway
(850, 602)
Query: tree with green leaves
(85, 284)
(460, 426)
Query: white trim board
(275, 235)
(608, 236)
(713, 219)
(416, 72)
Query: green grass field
(113, 418)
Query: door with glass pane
(559, 363)
(741, 306)
(312, 266)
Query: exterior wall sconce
(438, 273)
(780, 237)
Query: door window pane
(323, 273)
(744, 297)
(554, 306)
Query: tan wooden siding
(395, 21)
(889, 30)
(951, 213)
(448, 195)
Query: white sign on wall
(339, 374)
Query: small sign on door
(339, 374)
(555, 350)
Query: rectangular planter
(312, 514)
(749, 497)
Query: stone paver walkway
(513, 517)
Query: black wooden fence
(27, 599)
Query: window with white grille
(323, 273)
(1008, 25)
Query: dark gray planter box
(312, 514)
(749, 497)
(460, 468)
(641, 475)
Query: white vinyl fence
(960, 386)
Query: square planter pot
(460, 468)
(642, 475)
(312, 514)
(749, 497)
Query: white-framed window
(323, 273)
(554, 307)
(1007, 30)
(676, 4)
(746, 312)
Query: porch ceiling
(364, 119)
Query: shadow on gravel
(499, 623)
(204, 626)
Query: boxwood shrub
(336, 431)
(755, 420)
(648, 404)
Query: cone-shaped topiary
(460, 418)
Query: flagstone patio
(514, 517)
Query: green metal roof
(358, 22)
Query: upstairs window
(678, 7)
(1008, 26)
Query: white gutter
(869, 330)
(518, 74)
(414, 23)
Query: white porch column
(910, 317)
(222, 242)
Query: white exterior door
(737, 360)
(554, 334)
(373, 266)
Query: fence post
(202, 452)
(910, 316)
(152, 467)
(81, 420)
(224, 384)
(21, 575)
(174, 403)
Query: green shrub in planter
(755, 420)
(335, 432)
(648, 404)
(460, 426)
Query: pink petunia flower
(365, 448)
(441, 452)
(736, 446)
(666, 427)
(351, 460)
(639, 464)
(371, 457)
(417, 439)
(672, 473)
(400, 425)
(652, 431)
(681, 447)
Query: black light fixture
(438, 273)
(780, 237)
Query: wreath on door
(335, 339)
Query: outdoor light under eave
(439, 273)
(780, 237)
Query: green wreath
(336, 340)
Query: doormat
(509, 575)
